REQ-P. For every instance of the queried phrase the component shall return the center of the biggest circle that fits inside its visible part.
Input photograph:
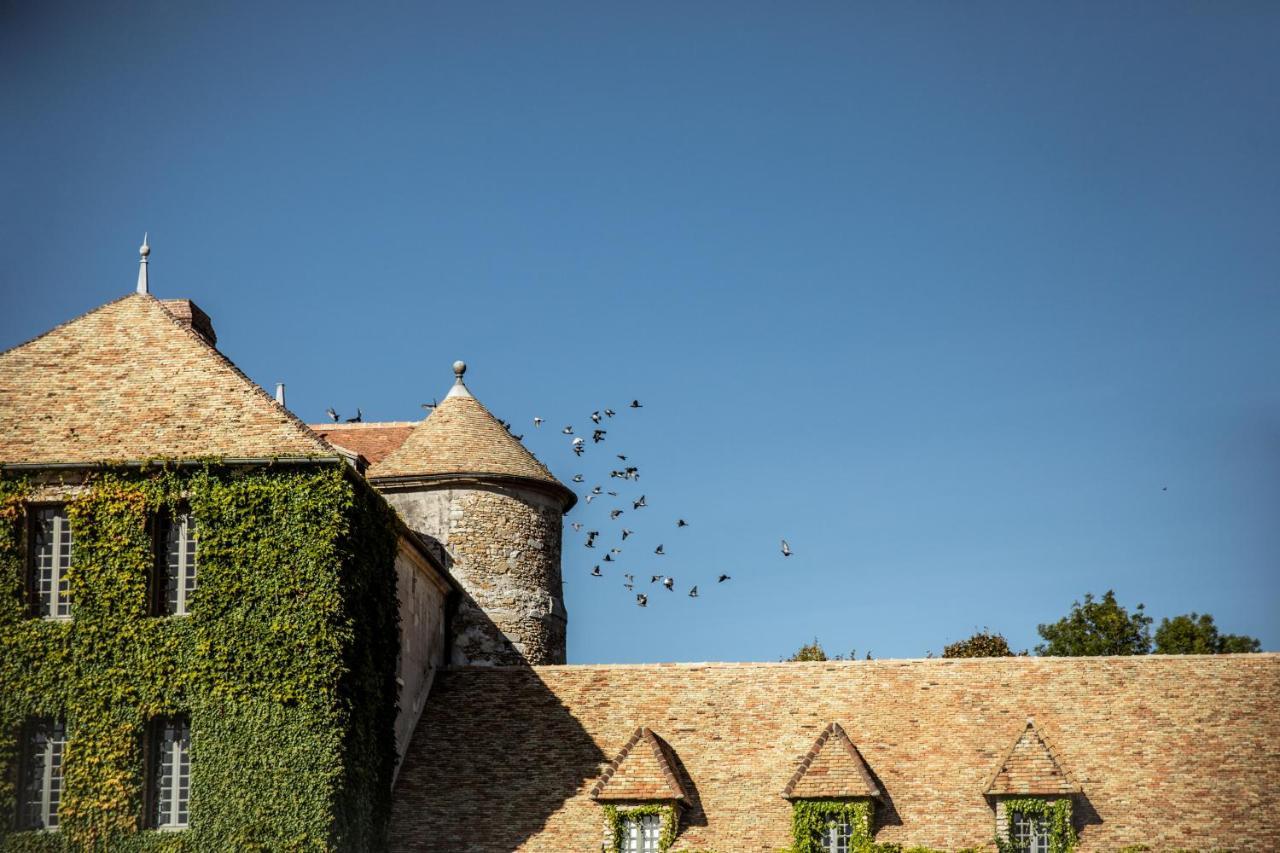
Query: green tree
(814, 651)
(1193, 634)
(983, 644)
(1097, 627)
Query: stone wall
(502, 544)
(422, 639)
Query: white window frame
(50, 593)
(641, 833)
(836, 836)
(181, 564)
(171, 782)
(1029, 833)
(49, 759)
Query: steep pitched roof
(460, 436)
(129, 381)
(1030, 767)
(831, 768)
(374, 441)
(640, 771)
(506, 758)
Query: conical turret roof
(460, 437)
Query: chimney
(280, 393)
(189, 314)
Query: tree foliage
(814, 652)
(1195, 634)
(983, 644)
(1097, 627)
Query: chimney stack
(280, 393)
(189, 314)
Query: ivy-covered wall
(285, 665)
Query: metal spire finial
(459, 388)
(459, 368)
(143, 251)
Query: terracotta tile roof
(831, 768)
(1176, 751)
(461, 437)
(640, 771)
(129, 381)
(374, 441)
(1030, 767)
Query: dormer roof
(461, 438)
(1031, 767)
(832, 767)
(130, 381)
(642, 770)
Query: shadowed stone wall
(502, 544)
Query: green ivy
(810, 817)
(285, 665)
(1062, 836)
(617, 820)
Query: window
(1029, 833)
(835, 836)
(40, 774)
(50, 558)
(640, 833)
(170, 773)
(177, 565)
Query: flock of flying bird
(625, 472)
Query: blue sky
(976, 304)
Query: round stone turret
(496, 515)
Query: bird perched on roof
(608, 413)
(642, 599)
(682, 523)
(669, 583)
(693, 593)
(358, 418)
(638, 502)
(625, 534)
(567, 430)
(614, 513)
(724, 578)
(595, 417)
(333, 416)
(598, 435)
(659, 551)
(596, 573)
(786, 549)
(635, 404)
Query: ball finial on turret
(144, 249)
(459, 368)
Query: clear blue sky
(946, 294)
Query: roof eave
(407, 481)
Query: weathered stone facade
(502, 544)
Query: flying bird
(608, 558)
(625, 534)
(659, 551)
(358, 418)
(577, 445)
(589, 499)
(642, 599)
(655, 578)
(786, 549)
(615, 550)
(537, 422)
(429, 406)
(635, 404)
(612, 494)
(333, 416)
(629, 577)
(595, 417)
(636, 504)
(578, 478)
(723, 578)
(682, 523)
(567, 430)
(608, 413)
(577, 525)
(613, 514)
(622, 456)
(693, 593)
(629, 585)
(669, 583)
(596, 573)
(597, 436)
(595, 490)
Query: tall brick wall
(502, 543)
(1174, 752)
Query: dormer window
(836, 836)
(641, 833)
(176, 569)
(642, 794)
(1029, 833)
(1033, 796)
(50, 559)
(833, 796)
